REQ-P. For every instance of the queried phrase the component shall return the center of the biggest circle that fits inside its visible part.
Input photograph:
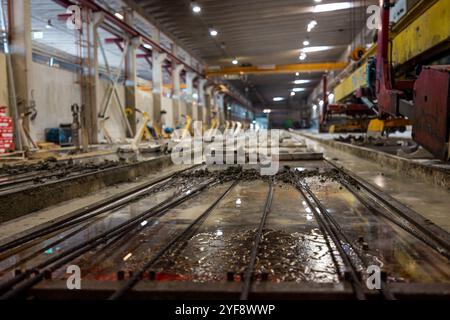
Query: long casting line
(100, 207)
(397, 221)
(434, 232)
(249, 272)
(70, 254)
(137, 276)
(47, 247)
(354, 279)
(385, 290)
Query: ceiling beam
(277, 69)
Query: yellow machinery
(384, 127)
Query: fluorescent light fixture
(278, 99)
(316, 49)
(267, 111)
(298, 89)
(235, 61)
(195, 7)
(213, 32)
(302, 81)
(118, 15)
(306, 43)
(147, 46)
(332, 7)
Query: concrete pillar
(220, 102)
(157, 82)
(201, 99)
(208, 106)
(190, 77)
(176, 93)
(90, 81)
(21, 58)
(131, 77)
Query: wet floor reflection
(402, 256)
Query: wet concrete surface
(431, 201)
(293, 247)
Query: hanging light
(195, 7)
(213, 32)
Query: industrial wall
(55, 90)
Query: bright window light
(332, 7)
(316, 49)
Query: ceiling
(260, 32)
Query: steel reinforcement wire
(330, 230)
(248, 275)
(384, 290)
(437, 238)
(96, 209)
(137, 276)
(39, 273)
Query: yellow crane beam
(424, 27)
(276, 69)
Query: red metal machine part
(430, 110)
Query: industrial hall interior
(224, 150)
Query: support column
(190, 77)
(131, 77)
(176, 96)
(157, 82)
(202, 99)
(220, 102)
(21, 60)
(90, 81)
(208, 105)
